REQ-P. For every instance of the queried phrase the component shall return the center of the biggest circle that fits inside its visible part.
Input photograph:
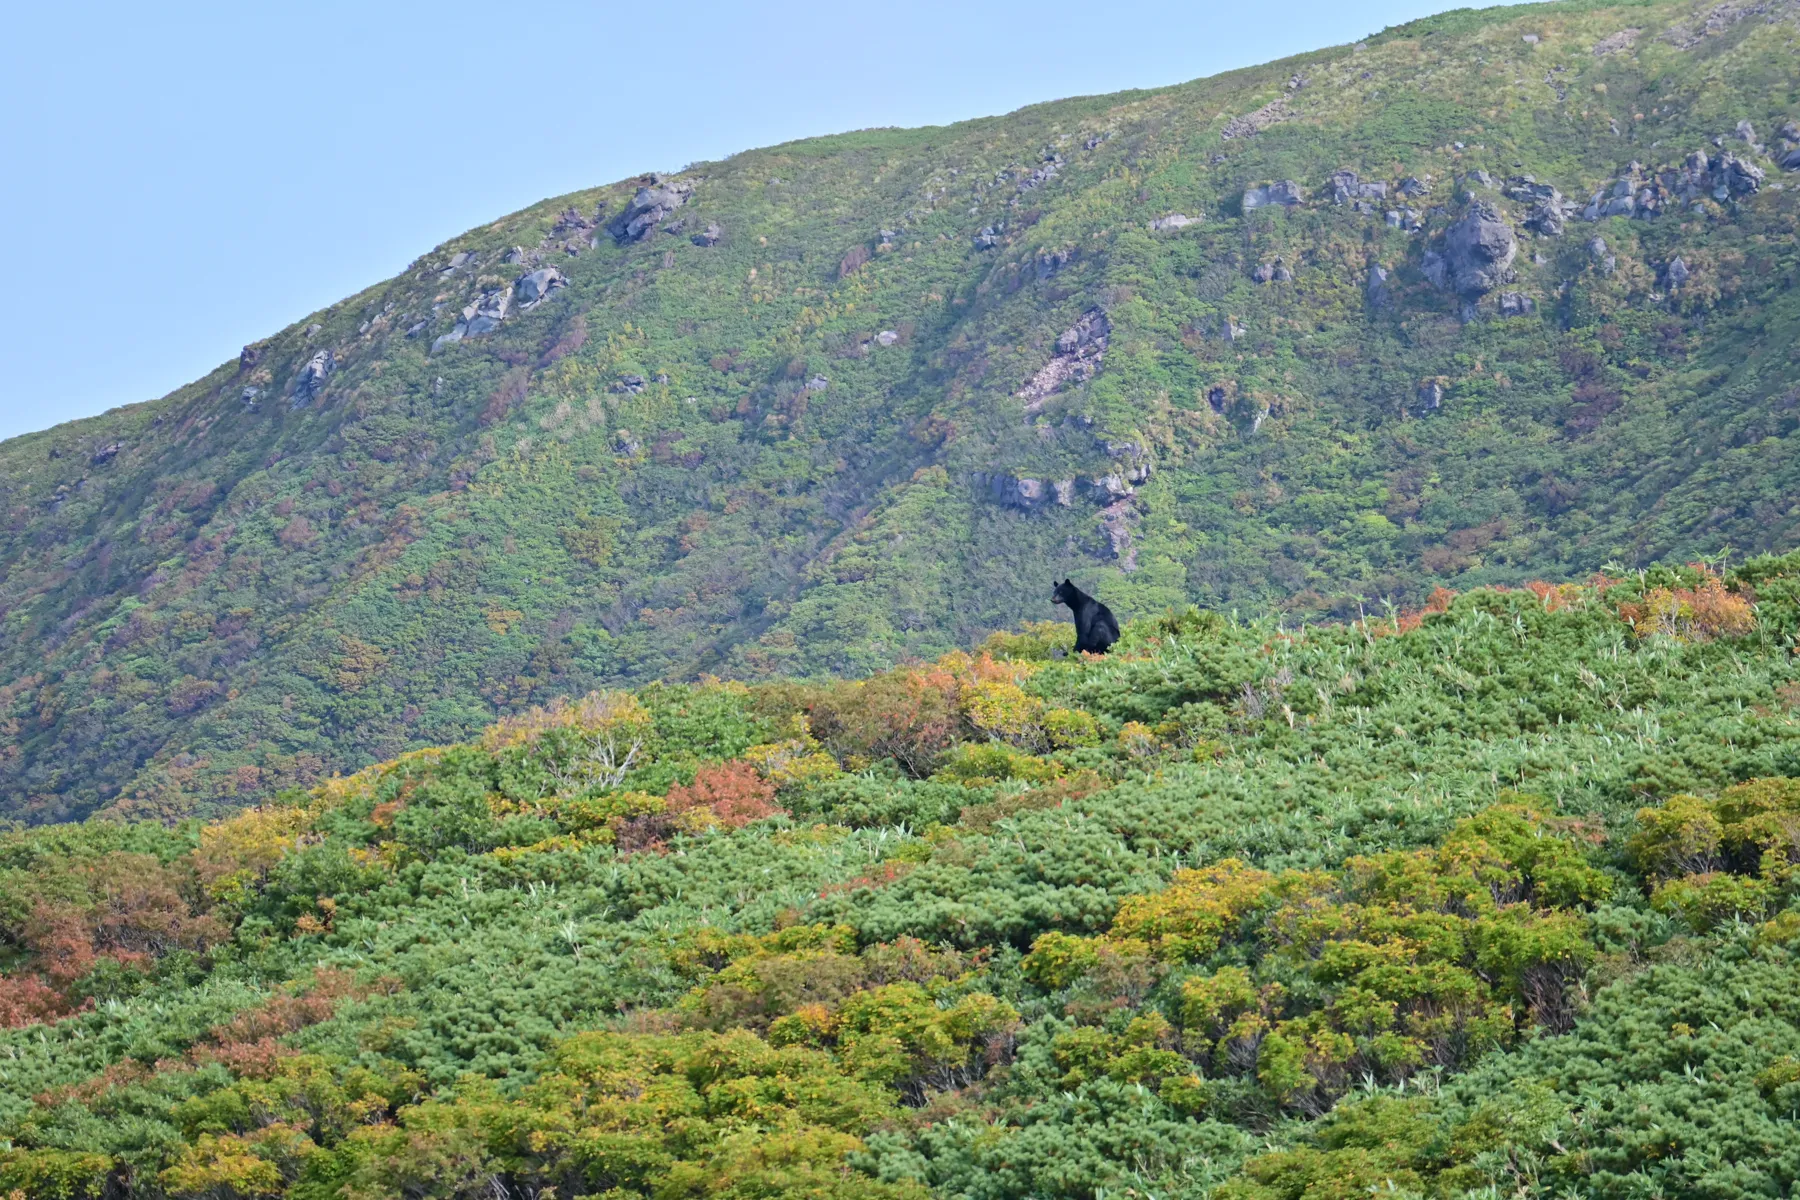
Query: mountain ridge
(796, 445)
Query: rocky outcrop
(1478, 251)
(649, 206)
(535, 287)
(1285, 193)
(1515, 304)
(483, 316)
(1415, 187)
(709, 236)
(1376, 289)
(989, 237)
(105, 454)
(1346, 188)
(1115, 524)
(627, 385)
(1078, 354)
(313, 376)
(1431, 395)
(1251, 124)
(1172, 221)
(250, 355)
(1676, 273)
(1722, 177)
(1548, 210)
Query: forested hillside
(1494, 897)
(1495, 295)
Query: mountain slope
(827, 405)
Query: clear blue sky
(187, 177)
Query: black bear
(1096, 628)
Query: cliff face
(1492, 295)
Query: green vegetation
(1496, 896)
(776, 455)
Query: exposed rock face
(1109, 487)
(1015, 491)
(105, 454)
(1264, 273)
(1415, 187)
(1347, 188)
(536, 287)
(1251, 124)
(1172, 221)
(1515, 304)
(311, 379)
(1078, 354)
(485, 315)
(1053, 261)
(886, 337)
(627, 384)
(250, 355)
(1115, 523)
(1548, 209)
(1065, 492)
(1285, 193)
(1431, 396)
(1377, 287)
(989, 237)
(1044, 174)
(1724, 176)
(1479, 250)
(1791, 160)
(817, 383)
(709, 236)
(1676, 273)
(648, 208)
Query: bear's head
(1065, 593)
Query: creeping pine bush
(1492, 897)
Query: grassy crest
(1494, 896)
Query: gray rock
(1065, 492)
(1376, 289)
(1479, 249)
(1480, 177)
(1735, 176)
(1282, 274)
(1597, 249)
(1431, 396)
(1515, 304)
(106, 453)
(1110, 487)
(250, 355)
(1791, 132)
(1676, 273)
(1414, 186)
(1346, 188)
(1791, 160)
(445, 339)
(648, 208)
(416, 329)
(1393, 219)
(1746, 132)
(1087, 337)
(1215, 398)
(485, 315)
(1435, 269)
(311, 379)
(1286, 193)
(1264, 272)
(248, 396)
(886, 337)
(627, 445)
(989, 237)
(817, 383)
(1172, 221)
(1232, 331)
(535, 287)
(709, 236)
(1050, 263)
(627, 384)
